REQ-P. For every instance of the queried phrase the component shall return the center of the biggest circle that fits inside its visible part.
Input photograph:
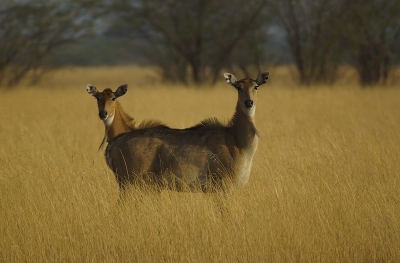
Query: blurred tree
(311, 32)
(372, 34)
(198, 37)
(30, 30)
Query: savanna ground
(324, 187)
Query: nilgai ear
(121, 90)
(91, 90)
(262, 78)
(231, 80)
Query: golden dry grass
(325, 184)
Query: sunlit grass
(325, 184)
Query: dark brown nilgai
(208, 157)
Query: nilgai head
(106, 101)
(247, 89)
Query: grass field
(325, 183)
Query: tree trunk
(369, 64)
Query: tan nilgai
(116, 121)
(208, 157)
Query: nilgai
(208, 157)
(116, 121)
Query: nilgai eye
(256, 87)
(113, 99)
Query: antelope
(208, 157)
(116, 121)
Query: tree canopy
(193, 41)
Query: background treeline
(193, 41)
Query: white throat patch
(108, 121)
(249, 112)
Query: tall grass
(325, 183)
